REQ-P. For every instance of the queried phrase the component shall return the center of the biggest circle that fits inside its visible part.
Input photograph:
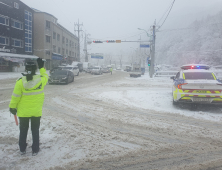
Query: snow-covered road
(114, 121)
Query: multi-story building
(52, 41)
(16, 31)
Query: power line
(164, 13)
(167, 14)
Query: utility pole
(78, 29)
(85, 49)
(153, 51)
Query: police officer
(27, 101)
(111, 70)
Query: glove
(40, 63)
(13, 111)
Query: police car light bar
(195, 66)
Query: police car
(196, 84)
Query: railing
(165, 73)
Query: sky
(120, 19)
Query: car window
(199, 75)
(178, 75)
(69, 68)
(60, 72)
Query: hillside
(201, 42)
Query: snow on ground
(75, 141)
(152, 94)
(7, 75)
(11, 75)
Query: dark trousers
(24, 126)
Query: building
(52, 41)
(16, 33)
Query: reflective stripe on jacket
(28, 96)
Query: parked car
(196, 84)
(97, 70)
(74, 69)
(106, 70)
(61, 76)
(118, 68)
(128, 68)
(89, 69)
(55, 68)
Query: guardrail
(165, 73)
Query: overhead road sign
(97, 56)
(144, 45)
(118, 41)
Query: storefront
(56, 60)
(10, 62)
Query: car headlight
(64, 78)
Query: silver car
(97, 70)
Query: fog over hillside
(200, 42)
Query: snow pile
(152, 94)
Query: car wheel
(175, 103)
(73, 79)
(78, 74)
(67, 82)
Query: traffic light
(97, 41)
(149, 62)
(110, 41)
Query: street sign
(144, 45)
(97, 56)
(118, 41)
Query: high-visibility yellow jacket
(28, 96)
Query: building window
(67, 42)
(28, 31)
(70, 43)
(63, 51)
(73, 54)
(58, 37)
(16, 5)
(47, 39)
(63, 40)
(54, 20)
(59, 50)
(54, 35)
(17, 24)
(47, 24)
(4, 20)
(66, 52)
(17, 43)
(75, 45)
(54, 48)
(69, 53)
(47, 52)
(4, 40)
